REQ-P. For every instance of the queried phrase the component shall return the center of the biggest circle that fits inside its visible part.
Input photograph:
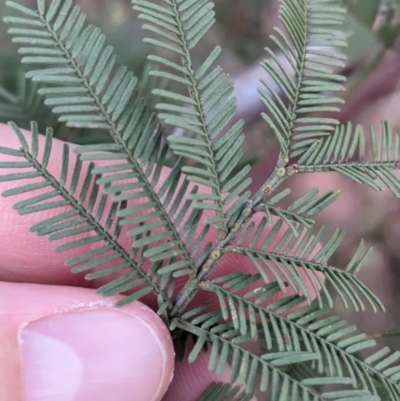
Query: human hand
(63, 342)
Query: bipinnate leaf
(345, 152)
(88, 90)
(309, 41)
(227, 346)
(87, 221)
(169, 213)
(287, 324)
(204, 112)
(298, 259)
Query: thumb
(70, 344)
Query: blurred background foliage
(242, 29)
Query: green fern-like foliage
(205, 110)
(309, 44)
(337, 153)
(122, 188)
(223, 392)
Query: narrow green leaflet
(224, 392)
(299, 211)
(299, 261)
(86, 220)
(310, 42)
(204, 112)
(87, 90)
(227, 347)
(10, 108)
(345, 152)
(286, 326)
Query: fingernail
(99, 354)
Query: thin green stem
(248, 210)
(381, 335)
(319, 168)
(194, 93)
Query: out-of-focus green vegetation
(242, 29)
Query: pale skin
(36, 288)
